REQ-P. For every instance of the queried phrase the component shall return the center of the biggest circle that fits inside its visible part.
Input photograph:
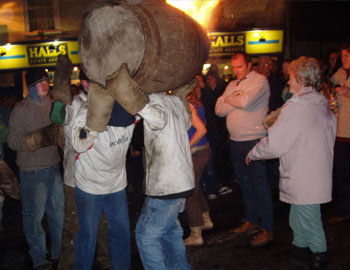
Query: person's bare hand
(247, 161)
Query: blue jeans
(42, 192)
(159, 235)
(255, 188)
(306, 223)
(90, 208)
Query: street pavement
(221, 250)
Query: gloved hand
(62, 90)
(8, 182)
(126, 91)
(182, 92)
(43, 137)
(100, 106)
(58, 113)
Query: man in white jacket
(71, 224)
(245, 104)
(169, 172)
(100, 176)
(100, 131)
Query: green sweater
(28, 116)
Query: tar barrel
(163, 47)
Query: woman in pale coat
(303, 138)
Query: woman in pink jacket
(303, 138)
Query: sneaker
(246, 227)
(212, 197)
(262, 238)
(224, 190)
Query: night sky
(319, 20)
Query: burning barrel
(163, 47)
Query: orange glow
(198, 9)
(8, 4)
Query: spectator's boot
(208, 224)
(195, 238)
(318, 261)
(298, 258)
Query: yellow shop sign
(251, 42)
(44, 54)
(226, 43)
(264, 41)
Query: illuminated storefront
(21, 57)
(24, 56)
(254, 42)
(223, 45)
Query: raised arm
(154, 113)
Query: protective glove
(100, 106)
(8, 182)
(58, 113)
(43, 137)
(126, 91)
(62, 90)
(182, 92)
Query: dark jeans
(342, 177)
(272, 166)
(219, 171)
(255, 187)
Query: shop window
(41, 15)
